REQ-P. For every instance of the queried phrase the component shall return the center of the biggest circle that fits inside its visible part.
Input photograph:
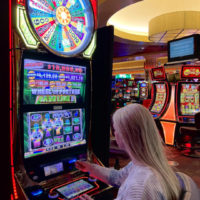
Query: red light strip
(94, 6)
(10, 103)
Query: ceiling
(135, 18)
(121, 14)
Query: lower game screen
(48, 131)
(73, 189)
(160, 98)
(189, 99)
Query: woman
(148, 176)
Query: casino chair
(189, 139)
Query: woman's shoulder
(141, 182)
(141, 174)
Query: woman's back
(143, 183)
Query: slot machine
(143, 90)
(187, 97)
(55, 46)
(160, 92)
(161, 95)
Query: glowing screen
(53, 83)
(48, 131)
(182, 47)
(73, 189)
(189, 99)
(160, 98)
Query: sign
(190, 72)
(125, 76)
(158, 73)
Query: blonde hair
(137, 130)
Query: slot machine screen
(160, 98)
(189, 99)
(74, 189)
(48, 82)
(50, 131)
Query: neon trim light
(25, 30)
(14, 194)
(90, 50)
(170, 113)
(169, 131)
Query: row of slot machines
(126, 91)
(172, 104)
(175, 104)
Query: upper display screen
(160, 99)
(53, 83)
(64, 27)
(189, 99)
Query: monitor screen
(185, 48)
(161, 94)
(189, 99)
(53, 83)
(49, 131)
(75, 188)
(182, 47)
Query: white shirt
(138, 182)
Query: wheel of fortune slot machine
(53, 43)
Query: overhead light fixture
(174, 25)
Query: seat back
(197, 120)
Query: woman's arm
(107, 175)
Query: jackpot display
(48, 131)
(53, 83)
(160, 98)
(63, 27)
(189, 99)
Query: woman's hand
(85, 197)
(83, 166)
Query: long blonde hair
(136, 128)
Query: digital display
(183, 47)
(64, 27)
(53, 169)
(189, 99)
(53, 83)
(143, 90)
(160, 98)
(49, 131)
(76, 188)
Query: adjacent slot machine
(188, 94)
(160, 92)
(143, 90)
